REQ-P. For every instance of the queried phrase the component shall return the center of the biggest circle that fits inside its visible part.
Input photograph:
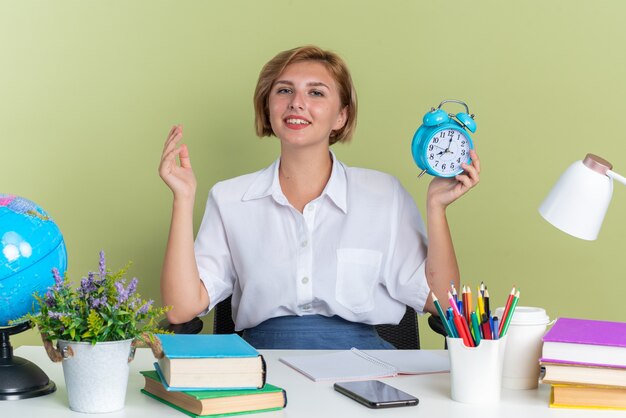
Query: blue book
(210, 361)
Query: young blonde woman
(313, 252)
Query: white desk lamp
(578, 201)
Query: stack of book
(207, 375)
(585, 362)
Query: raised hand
(179, 178)
(443, 191)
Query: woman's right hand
(179, 178)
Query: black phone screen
(375, 394)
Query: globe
(31, 245)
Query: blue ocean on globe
(31, 244)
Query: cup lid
(526, 315)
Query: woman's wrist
(184, 201)
(434, 209)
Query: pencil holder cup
(476, 372)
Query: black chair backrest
(223, 318)
(404, 336)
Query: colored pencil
(461, 327)
(453, 305)
(467, 303)
(480, 304)
(485, 327)
(454, 294)
(510, 315)
(476, 328)
(496, 333)
(507, 307)
(486, 302)
(442, 316)
(449, 317)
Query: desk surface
(305, 397)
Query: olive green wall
(89, 90)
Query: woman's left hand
(443, 191)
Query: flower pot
(96, 376)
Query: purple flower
(59, 283)
(145, 307)
(97, 302)
(87, 285)
(56, 315)
(58, 280)
(132, 287)
(122, 293)
(103, 269)
(49, 299)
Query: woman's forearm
(181, 286)
(441, 264)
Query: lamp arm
(616, 176)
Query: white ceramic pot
(96, 376)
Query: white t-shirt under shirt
(357, 251)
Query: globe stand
(20, 378)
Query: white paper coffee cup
(523, 349)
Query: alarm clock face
(446, 150)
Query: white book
(355, 364)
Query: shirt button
(306, 307)
(305, 280)
(304, 243)
(310, 208)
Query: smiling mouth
(292, 121)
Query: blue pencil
(496, 322)
(449, 314)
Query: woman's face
(304, 105)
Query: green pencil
(446, 325)
(476, 327)
(510, 315)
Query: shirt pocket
(357, 274)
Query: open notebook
(355, 364)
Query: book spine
(264, 372)
(284, 398)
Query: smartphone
(375, 394)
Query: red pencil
(486, 328)
(507, 307)
(461, 327)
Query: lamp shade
(580, 198)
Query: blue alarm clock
(442, 143)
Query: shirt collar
(337, 187)
(267, 184)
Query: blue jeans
(314, 332)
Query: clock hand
(449, 143)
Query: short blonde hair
(337, 69)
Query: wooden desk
(305, 398)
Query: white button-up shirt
(357, 251)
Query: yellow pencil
(481, 303)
